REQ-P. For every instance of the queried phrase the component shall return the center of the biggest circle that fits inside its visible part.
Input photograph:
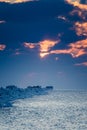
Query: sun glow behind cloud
(43, 46)
(46, 45)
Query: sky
(43, 42)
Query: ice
(11, 93)
(58, 110)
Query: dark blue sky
(43, 42)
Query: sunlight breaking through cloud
(43, 46)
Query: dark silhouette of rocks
(12, 92)
(49, 87)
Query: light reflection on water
(55, 111)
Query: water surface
(59, 110)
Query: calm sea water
(59, 110)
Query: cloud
(17, 52)
(76, 49)
(62, 17)
(2, 21)
(2, 47)
(29, 45)
(77, 3)
(47, 21)
(81, 28)
(43, 23)
(43, 54)
(43, 46)
(56, 58)
(82, 14)
(16, 1)
(81, 64)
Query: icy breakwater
(11, 93)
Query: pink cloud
(2, 47)
(16, 1)
(81, 64)
(29, 45)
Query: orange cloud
(2, 47)
(46, 45)
(43, 46)
(29, 45)
(16, 1)
(81, 64)
(77, 3)
(81, 28)
(76, 49)
(44, 54)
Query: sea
(57, 110)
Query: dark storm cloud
(83, 1)
(33, 11)
(32, 21)
(38, 20)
